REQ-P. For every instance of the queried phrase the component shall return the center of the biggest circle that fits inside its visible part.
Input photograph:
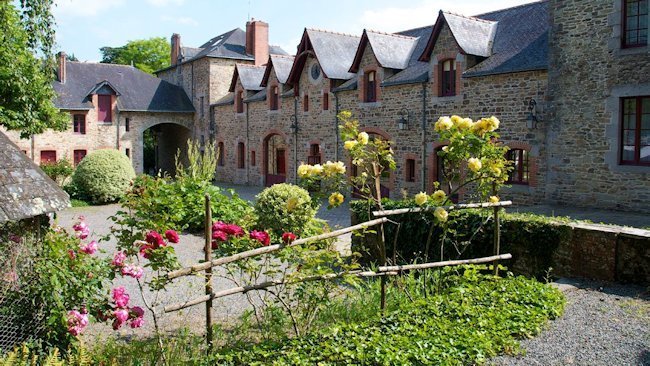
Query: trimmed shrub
(284, 207)
(59, 171)
(103, 176)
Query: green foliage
(58, 171)
(201, 165)
(148, 55)
(78, 203)
(25, 356)
(26, 93)
(103, 176)
(284, 208)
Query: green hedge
(531, 239)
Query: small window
(253, 160)
(127, 152)
(239, 102)
(326, 101)
(371, 87)
(305, 103)
(127, 124)
(79, 124)
(448, 78)
(105, 108)
(221, 153)
(275, 98)
(314, 154)
(241, 155)
(201, 101)
(520, 168)
(78, 156)
(635, 131)
(635, 23)
(48, 157)
(410, 170)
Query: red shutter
(78, 156)
(48, 157)
(104, 113)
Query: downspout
(295, 134)
(424, 137)
(336, 126)
(117, 142)
(247, 147)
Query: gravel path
(602, 325)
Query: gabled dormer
(245, 82)
(104, 97)
(275, 79)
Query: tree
(147, 55)
(26, 69)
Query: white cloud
(83, 8)
(180, 20)
(162, 3)
(291, 45)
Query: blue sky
(83, 26)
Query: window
(201, 100)
(78, 156)
(635, 23)
(520, 168)
(635, 134)
(105, 110)
(410, 170)
(371, 87)
(448, 78)
(326, 101)
(127, 152)
(275, 98)
(221, 153)
(79, 124)
(239, 102)
(127, 124)
(48, 157)
(253, 160)
(241, 155)
(314, 154)
(305, 103)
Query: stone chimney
(176, 48)
(257, 41)
(61, 60)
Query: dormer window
(635, 23)
(448, 78)
(104, 108)
(371, 87)
(239, 101)
(275, 98)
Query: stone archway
(160, 145)
(275, 159)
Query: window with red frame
(520, 167)
(253, 160)
(78, 156)
(635, 134)
(104, 108)
(410, 170)
(275, 98)
(48, 157)
(635, 23)
(371, 87)
(241, 155)
(314, 154)
(221, 152)
(305, 103)
(79, 124)
(239, 102)
(448, 78)
(326, 101)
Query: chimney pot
(61, 75)
(257, 41)
(175, 48)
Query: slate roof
(260, 95)
(417, 71)
(473, 35)
(137, 90)
(281, 65)
(225, 100)
(392, 51)
(249, 75)
(25, 191)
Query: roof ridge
(251, 66)
(390, 34)
(512, 7)
(468, 17)
(285, 56)
(99, 63)
(332, 32)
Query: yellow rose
(474, 164)
(465, 124)
(456, 119)
(350, 144)
(496, 170)
(492, 123)
(440, 214)
(444, 123)
(316, 169)
(345, 115)
(480, 126)
(335, 199)
(494, 199)
(363, 138)
(304, 170)
(421, 198)
(439, 196)
(330, 168)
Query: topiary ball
(284, 208)
(103, 176)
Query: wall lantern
(294, 123)
(403, 121)
(531, 119)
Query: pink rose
(172, 236)
(219, 235)
(261, 236)
(121, 315)
(288, 237)
(77, 321)
(144, 250)
(137, 322)
(233, 229)
(155, 239)
(219, 226)
(89, 248)
(215, 244)
(132, 271)
(81, 229)
(120, 297)
(118, 259)
(137, 312)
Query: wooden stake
(208, 273)
(383, 213)
(408, 267)
(497, 239)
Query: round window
(315, 71)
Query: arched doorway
(160, 145)
(275, 160)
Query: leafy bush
(59, 171)
(103, 176)
(284, 207)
